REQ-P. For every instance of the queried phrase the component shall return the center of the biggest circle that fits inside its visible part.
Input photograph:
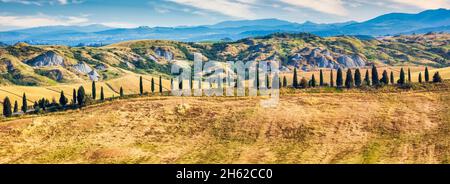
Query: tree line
(79, 100)
(355, 80)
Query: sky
(19, 14)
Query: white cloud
(42, 2)
(424, 4)
(40, 20)
(26, 2)
(161, 10)
(334, 7)
(237, 9)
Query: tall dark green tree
(349, 79)
(402, 79)
(267, 82)
(279, 83)
(257, 77)
(94, 90)
(321, 78)
(16, 107)
(295, 79)
(367, 79)
(409, 75)
(427, 75)
(121, 91)
(385, 78)
(36, 106)
(331, 78)
(339, 79)
(180, 85)
(81, 96)
(102, 95)
(153, 86)
(160, 85)
(7, 112)
(313, 81)
(141, 86)
(303, 83)
(375, 78)
(437, 77)
(392, 78)
(284, 81)
(171, 84)
(62, 99)
(74, 97)
(420, 77)
(24, 103)
(358, 78)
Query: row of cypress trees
(152, 86)
(78, 99)
(356, 79)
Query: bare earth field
(404, 127)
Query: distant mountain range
(390, 24)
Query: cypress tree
(62, 99)
(321, 78)
(267, 82)
(36, 106)
(437, 78)
(409, 75)
(339, 80)
(358, 80)
(331, 78)
(349, 79)
(80, 96)
(385, 78)
(171, 84)
(427, 75)
(392, 78)
(303, 83)
(191, 83)
(153, 86)
(295, 79)
(141, 86)
(74, 97)
(121, 91)
(180, 85)
(284, 81)
(279, 83)
(102, 95)
(420, 77)
(313, 81)
(257, 78)
(94, 90)
(7, 108)
(16, 107)
(366, 78)
(375, 78)
(24, 103)
(402, 81)
(160, 85)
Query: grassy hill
(154, 57)
(349, 127)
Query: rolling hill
(23, 64)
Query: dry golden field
(346, 127)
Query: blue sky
(16, 14)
